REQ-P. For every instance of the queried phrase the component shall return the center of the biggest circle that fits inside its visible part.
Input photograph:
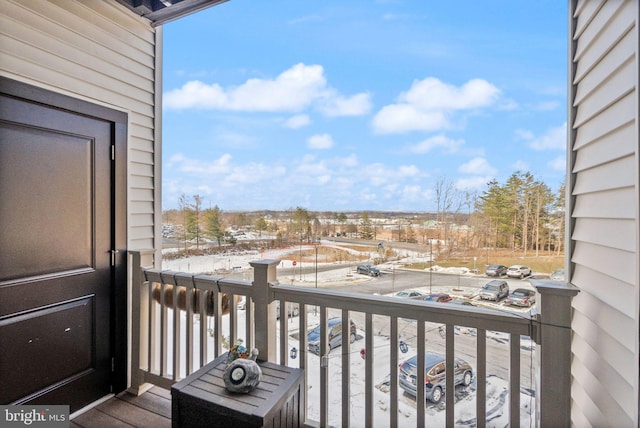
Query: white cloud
(553, 139)
(320, 142)
(558, 164)
(297, 121)
(293, 90)
(433, 94)
(439, 141)
(403, 117)
(477, 166)
(408, 171)
(472, 183)
(427, 105)
(337, 105)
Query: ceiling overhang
(163, 11)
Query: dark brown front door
(56, 237)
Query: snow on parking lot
(497, 388)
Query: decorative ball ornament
(237, 351)
(242, 374)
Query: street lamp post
(316, 264)
(430, 263)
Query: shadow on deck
(151, 409)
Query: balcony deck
(151, 409)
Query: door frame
(119, 295)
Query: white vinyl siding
(604, 233)
(100, 52)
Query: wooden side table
(201, 400)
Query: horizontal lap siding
(604, 233)
(99, 52)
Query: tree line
(522, 214)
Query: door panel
(55, 263)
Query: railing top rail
(472, 317)
(202, 282)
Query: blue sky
(361, 105)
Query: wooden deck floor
(151, 409)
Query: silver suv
(494, 290)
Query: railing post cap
(560, 288)
(264, 262)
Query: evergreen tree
(366, 231)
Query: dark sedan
(437, 297)
(496, 270)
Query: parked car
(435, 375)
(521, 297)
(518, 271)
(461, 302)
(368, 270)
(334, 331)
(437, 297)
(494, 290)
(557, 275)
(293, 309)
(496, 270)
(410, 294)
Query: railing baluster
(481, 378)
(249, 322)
(420, 366)
(186, 284)
(163, 330)
(302, 357)
(514, 380)
(346, 368)
(450, 371)
(284, 332)
(176, 329)
(368, 369)
(233, 327)
(324, 369)
(190, 296)
(152, 338)
(204, 331)
(393, 370)
(217, 323)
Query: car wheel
(466, 380)
(521, 275)
(352, 337)
(436, 395)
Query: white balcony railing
(171, 338)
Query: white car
(518, 271)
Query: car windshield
(520, 293)
(491, 287)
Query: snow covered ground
(497, 388)
(465, 407)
